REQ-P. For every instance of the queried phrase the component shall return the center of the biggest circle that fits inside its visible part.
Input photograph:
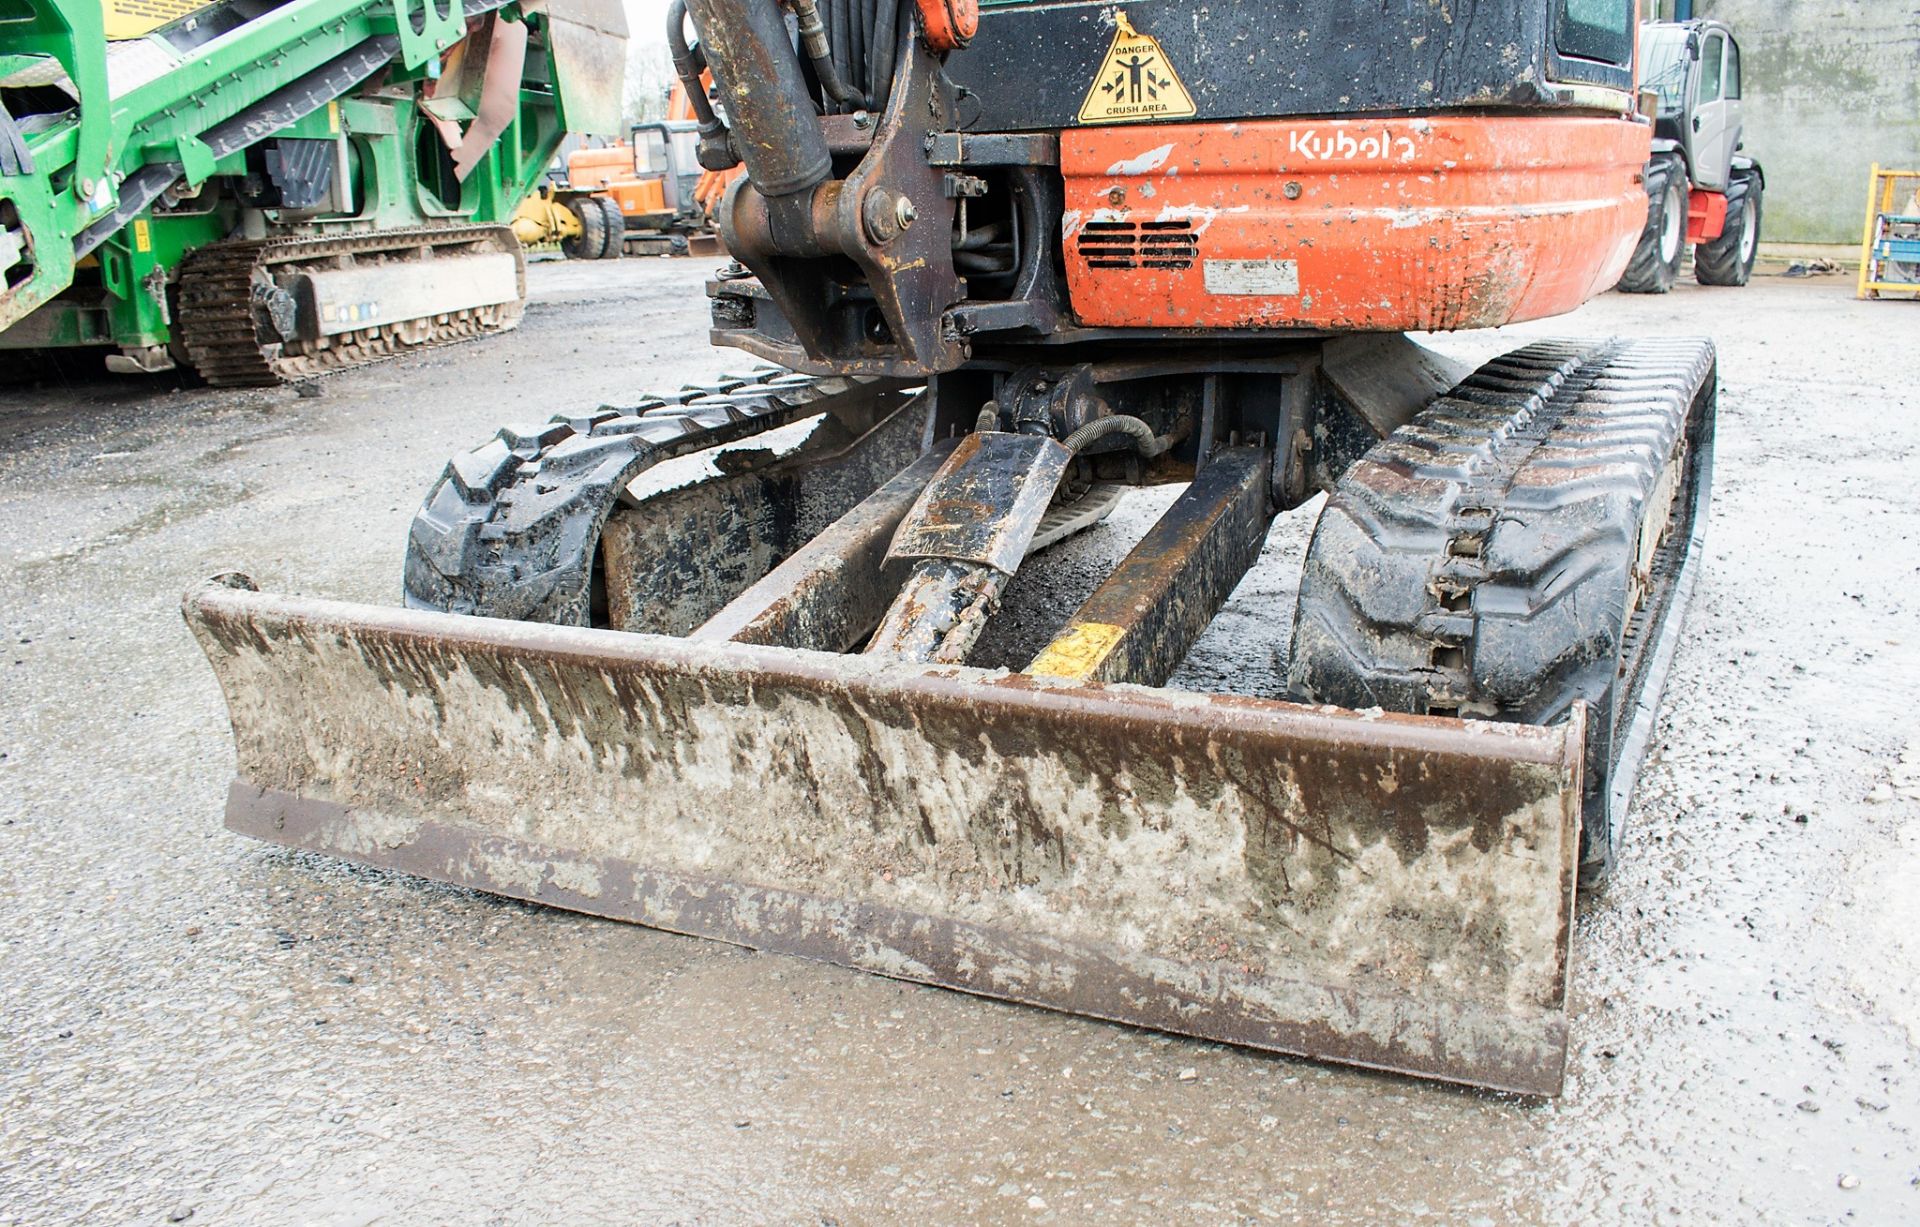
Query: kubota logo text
(1345, 146)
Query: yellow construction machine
(647, 195)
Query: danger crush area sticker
(1136, 81)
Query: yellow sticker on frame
(127, 19)
(1136, 81)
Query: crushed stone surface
(197, 1027)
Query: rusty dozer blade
(1388, 891)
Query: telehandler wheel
(592, 239)
(615, 223)
(1728, 260)
(1656, 260)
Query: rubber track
(1476, 562)
(512, 528)
(215, 307)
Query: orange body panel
(596, 168)
(1367, 224)
(949, 24)
(1706, 215)
(609, 172)
(638, 197)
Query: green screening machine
(265, 191)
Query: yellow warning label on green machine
(137, 18)
(142, 236)
(1135, 82)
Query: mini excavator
(1001, 265)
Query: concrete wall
(1830, 86)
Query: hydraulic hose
(813, 40)
(685, 66)
(1138, 432)
(770, 108)
(716, 148)
(880, 53)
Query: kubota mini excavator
(1009, 263)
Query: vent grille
(1165, 245)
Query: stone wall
(1830, 87)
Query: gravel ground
(201, 1028)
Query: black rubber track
(215, 314)
(1719, 262)
(1647, 273)
(512, 528)
(1477, 561)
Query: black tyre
(1520, 546)
(1663, 241)
(592, 239)
(1728, 260)
(615, 223)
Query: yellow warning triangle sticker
(1135, 82)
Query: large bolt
(886, 215)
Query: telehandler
(1704, 189)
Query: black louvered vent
(1169, 245)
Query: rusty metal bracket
(1138, 625)
(965, 537)
(986, 501)
(832, 591)
(891, 217)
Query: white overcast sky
(646, 22)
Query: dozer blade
(1388, 891)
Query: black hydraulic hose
(686, 67)
(813, 41)
(881, 52)
(853, 67)
(1138, 432)
(840, 30)
(982, 236)
(985, 263)
(716, 151)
